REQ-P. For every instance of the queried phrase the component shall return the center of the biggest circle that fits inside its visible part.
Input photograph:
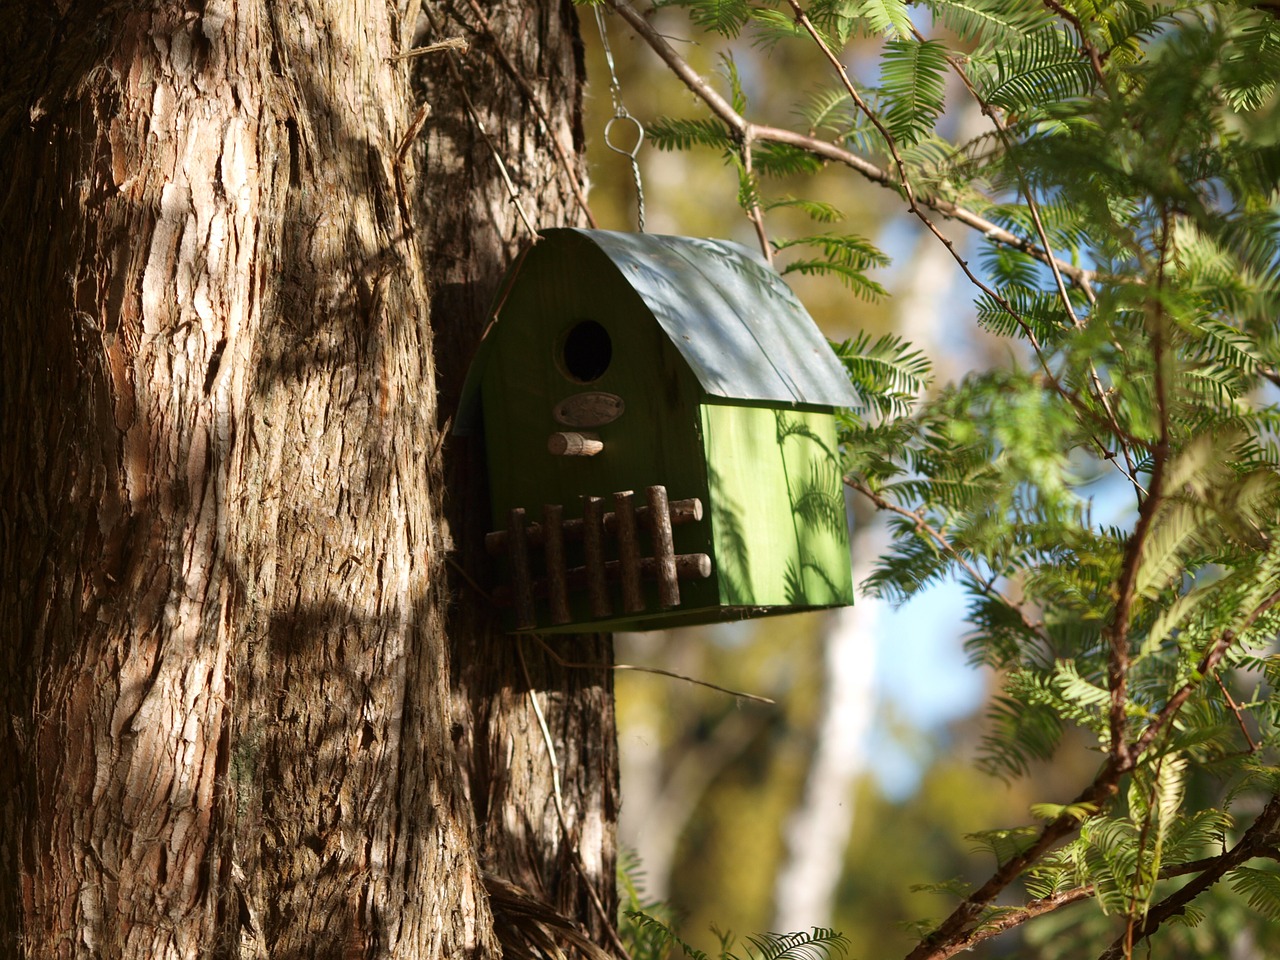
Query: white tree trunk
(817, 832)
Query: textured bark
(534, 48)
(229, 727)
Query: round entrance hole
(587, 351)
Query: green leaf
(783, 160)
(831, 110)
(914, 83)
(1042, 69)
(855, 280)
(984, 21)
(725, 17)
(1261, 888)
(1052, 811)
(672, 133)
(957, 887)
(889, 18)
(846, 256)
(803, 945)
(888, 374)
(816, 209)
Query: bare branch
(452, 43)
(741, 128)
(654, 670)
(754, 213)
(1235, 709)
(1015, 918)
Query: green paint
(777, 506)
(767, 477)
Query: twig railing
(597, 528)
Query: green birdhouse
(658, 418)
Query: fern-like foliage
(914, 80)
(816, 944)
(1262, 887)
(846, 258)
(888, 373)
(677, 133)
(725, 17)
(1041, 68)
(1109, 495)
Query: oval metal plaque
(593, 409)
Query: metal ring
(623, 115)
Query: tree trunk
(530, 59)
(231, 718)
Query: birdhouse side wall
(777, 506)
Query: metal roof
(732, 317)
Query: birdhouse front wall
(655, 440)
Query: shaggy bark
(518, 50)
(230, 727)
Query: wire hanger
(616, 127)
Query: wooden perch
(552, 519)
(593, 572)
(624, 506)
(520, 577)
(572, 444)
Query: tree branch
(658, 671)
(954, 931)
(742, 128)
(1087, 45)
(1015, 918)
(1033, 207)
(1116, 632)
(1208, 663)
(754, 213)
(1257, 841)
(924, 527)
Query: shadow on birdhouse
(658, 419)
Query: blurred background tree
(1145, 138)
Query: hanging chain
(620, 115)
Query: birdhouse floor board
(687, 566)
(671, 619)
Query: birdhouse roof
(733, 319)
(731, 316)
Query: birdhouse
(658, 418)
